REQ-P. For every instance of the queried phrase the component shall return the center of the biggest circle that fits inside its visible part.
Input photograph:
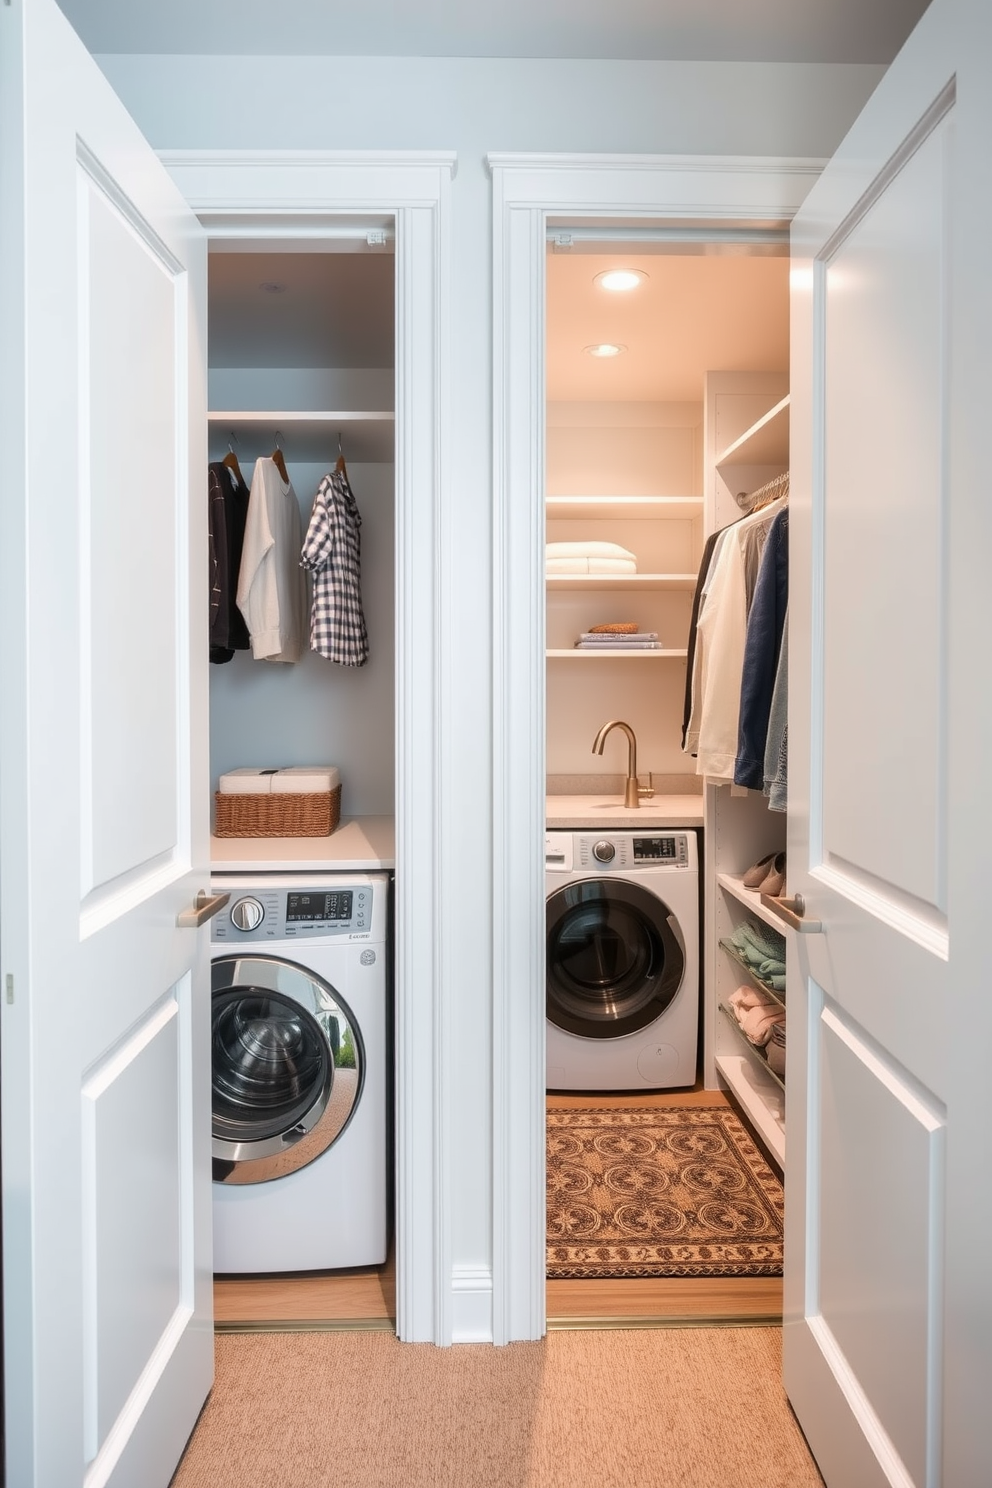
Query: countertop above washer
(610, 812)
(361, 843)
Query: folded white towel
(586, 550)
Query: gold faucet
(630, 795)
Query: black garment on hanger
(228, 511)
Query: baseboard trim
(471, 1304)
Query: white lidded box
(298, 801)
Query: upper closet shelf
(365, 437)
(765, 443)
(624, 507)
(622, 581)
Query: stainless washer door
(615, 957)
(288, 1067)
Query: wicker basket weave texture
(278, 815)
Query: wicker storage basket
(278, 815)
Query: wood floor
(367, 1299)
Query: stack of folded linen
(637, 640)
(764, 950)
(589, 558)
(757, 1013)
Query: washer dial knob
(604, 852)
(247, 914)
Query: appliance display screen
(654, 847)
(319, 906)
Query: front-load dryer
(622, 959)
(300, 1074)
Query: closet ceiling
(675, 30)
(690, 315)
(301, 309)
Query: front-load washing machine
(300, 1050)
(622, 959)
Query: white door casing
(106, 1082)
(530, 192)
(285, 195)
(886, 517)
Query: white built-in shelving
(607, 653)
(367, 436)
(765, 442)
(740, 829)
(633, 581)
(620, 508)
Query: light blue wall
(476, 106)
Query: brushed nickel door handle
(793, 913)
(203, 908)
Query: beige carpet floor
(693, 1408)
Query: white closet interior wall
(292, 333)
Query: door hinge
(10, 975)
(563, 241)
(376, 237)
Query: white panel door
(879, 692)
(106, 1080)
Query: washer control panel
(296, 913)
(618, 850)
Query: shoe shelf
(760, 1096)
(752, 1049)
(735, 955)
(734, 885)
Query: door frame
(301, 194)
(530, 194)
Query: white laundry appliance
(300, 1069)
(622, 959)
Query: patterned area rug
(679, 1191)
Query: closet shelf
(367, 437)
(623, 508)
(765, 443)
(752, 1049)
(621, 581)
(613, 652)
(735, 955)
(760, 1095)
(751, 898)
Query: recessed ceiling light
(272, 286)
(619, 280)
(605, 349)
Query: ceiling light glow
(605, 349)
(619, 281)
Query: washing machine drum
(288, 1067)
(615, 957)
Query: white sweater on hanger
(721, 633)
(271, 585)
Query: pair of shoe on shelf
(767, 875)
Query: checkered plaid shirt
(332, 553)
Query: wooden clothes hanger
(278, 461)
(231, 461)
(772, 490)
(340, 468)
